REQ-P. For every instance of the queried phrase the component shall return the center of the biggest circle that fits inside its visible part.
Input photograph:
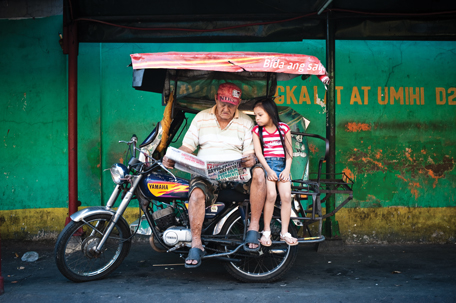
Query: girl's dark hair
(270, 108)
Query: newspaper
(187, 162)
(222, 171)
(228, 171)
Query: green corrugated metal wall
(396, 110)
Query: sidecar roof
(231, 62)
(193, 77)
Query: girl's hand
(284, 176)
(272, 176)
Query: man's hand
(168, 163)
(248, 160)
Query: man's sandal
(252, 238)
(267, 236)
(289, 239)
(195, 254)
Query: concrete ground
(336, 273)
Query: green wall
(33, 111)
(399, 154)
(400, 150)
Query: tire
(74, 253)
(267, 265)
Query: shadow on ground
(334, 273)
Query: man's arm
(168, 163)
(249, 158)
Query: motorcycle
(97, 239)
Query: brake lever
(128, 142)
(167, 170)
(134, 139)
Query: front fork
(120, 211)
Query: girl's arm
(271, 175)
(285, 174)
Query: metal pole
(331, 229)
(72, 120)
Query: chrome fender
(219, 225)
(89, 211)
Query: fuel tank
(156, 186)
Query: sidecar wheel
(74, 251)
(267, 265)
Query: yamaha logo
(158, 186)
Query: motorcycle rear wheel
(267, 265)
(74, 250)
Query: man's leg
(196, 206)
(257, 198)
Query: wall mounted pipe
(331, 225)
(73, 45)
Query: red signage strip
(232, 62)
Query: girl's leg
(271, 195)
(284, 189)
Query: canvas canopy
(232, 62)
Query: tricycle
(98, 239)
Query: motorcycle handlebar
(133, 140)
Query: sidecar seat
(152, 136)
(149, 145)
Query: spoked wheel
(75, 252)
(266, 265)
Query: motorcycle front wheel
(75, 253)
(267, 265)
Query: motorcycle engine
(175, 234)
(165, 220)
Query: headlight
(118, 173)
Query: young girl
(273, 150)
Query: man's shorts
(211, 188)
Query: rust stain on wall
(408, 151)
(349, 173)
(404, 162)
(432, 175)
(357, 127)
(413, 186)
(375, 162)
(437, 171)
(433, 170)
(364, 163)
(400, 177)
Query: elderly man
(221, 132)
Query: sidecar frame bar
(328, 184)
